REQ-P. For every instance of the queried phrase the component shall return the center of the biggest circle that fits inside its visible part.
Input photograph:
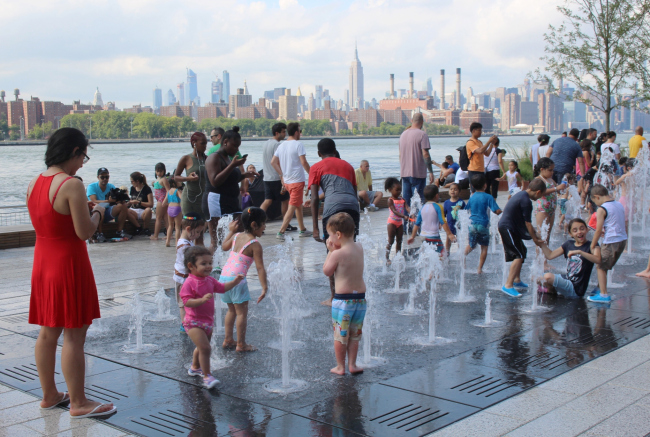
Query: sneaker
(542, 289)
(594, 292)
(123, 234)
(510, 292)
(279, 236)
(599, 299)
(305, 233)
(100, 238)
(372, 208)
(520, 285)
(210, 382)
(137, 231)
(147, 232)
(193, 372)
(291, 228)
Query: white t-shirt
(512, 180)
(615, 148)
(181, 246)
(492, 160)
(289, 153)
(542, 150)
(533, 153)
(460, 175)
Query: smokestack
(392, 86)
(411, 84)
(458, 88)
(442, 89)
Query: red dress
(64, 294)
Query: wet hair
(327, 146)
(194, 253)
(78, 177)
(193, 221)
(139, 177)
(389, 183)
(278, 128)
(577, 220)
(219, 130)
(62, 144)
(537, 185)
(196, 137)
(430, 192)
(599, 190)
(292, 128)
(252, 215)
(475, 125)
(478, 181)
(543, 164)
(160, 167)
(611, 134)
(231, 135)
(544, 139)
(585, 145)
(343, 223)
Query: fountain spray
(463, 241)
(163, 306)
(136, 324)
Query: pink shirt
(195, 288)
(411, 143)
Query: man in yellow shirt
(364, 186)
(635, 142)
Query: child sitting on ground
(479, 229)
(430, 218)
(197, 295)
(345, 261)
(451, 207)
(246, 249)
(399, 211)
(192, 229)
(515, 226)
(580, 261)
(610, 220)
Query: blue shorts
(238, 294)
(108, 214)
(479, 234)
(436, 242)
(564, 287)
(347, 318)
(562, 203)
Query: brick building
(176, 111)
(406, 104)
(466, 118)
(510, 111)
(212, 111)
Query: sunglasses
(86, 158)
(104, 177)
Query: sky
(63, 49)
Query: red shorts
(296, 193)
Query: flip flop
(65, 399)
(93, 414)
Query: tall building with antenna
(356, 82)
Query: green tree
(188, 126)
(602, 48)
(4, 127)
(14, 132)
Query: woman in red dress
(64, 295)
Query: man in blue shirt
(564, 152)
(98, 192)
(479, 229)
(452, 164)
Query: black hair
(497, 142)
(475, 125)
(543, 139)
(193, 253)
(252, 215)
(543, 163)
(586, 144)
(583, 134)
(629, 162)
(292, 128)
(622, 161)
(78, 177)
(139, 177)
(172, 182)
(611, 134)
(62, 144)
(231, 135)
(516, 166)
(478, 181)
(390, 183)
(445, 164)
(599, 190)
(192, 220)
(537, 185)
(160, 167)
(326, 146)
(564, 133)
(430, 192)
(219, 130)
(456, 184)
(278, 128)
(577, 220)
(449, 157)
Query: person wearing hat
(97, 192)
(564, 152)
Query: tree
(601, 48)
(4, 127)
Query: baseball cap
(575, 132)
(102, 170)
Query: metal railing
(14, 215)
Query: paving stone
(480, 424)
(637, 378)
(57, 422)
(531, 404)
(13, 398)
(581, 380)
(18, 431)
(92, 430)
(632, 421)
(604, 401)
(22, 413)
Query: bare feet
(327, 303)
(153, 237)
(644, 274)
(338, 370)
(229, 344)
(61, 398)
(88, 407)
(355, 370)
(479, 271)
(167, 244)
(246, 348)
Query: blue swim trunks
(479, 234)
(437, 242)
(348, 312)
(238, 294)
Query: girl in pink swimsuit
(398, 209)
(245, 250)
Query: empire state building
(356, 82)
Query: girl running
(398, 213)
(513, 177)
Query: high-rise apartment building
(356, 81)
(226, 86)
(180, 93)
(192, 88)
(216, 94)
(288, 106)
(510, 111)
(239, 100)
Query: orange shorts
(295, 193)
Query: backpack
(463, 159)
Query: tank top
(173, 198)
(229, 187)
(512, 179)
(614, 226)
(194, 189)
(399, 207)
(158, 191)
(238, 263)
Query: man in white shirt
(273, 188)
(290, 163)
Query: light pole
(131, 127)
(22, 128)
(43, 126)
(91, 127)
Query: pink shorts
(190, 324)
(296, 193)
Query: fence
(14, 215)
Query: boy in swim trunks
(345, 262)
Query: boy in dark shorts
(519, 210)
(345, 261)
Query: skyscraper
(171, 98)
(157, 99)
(192, 89)
(216, 94)
(356, 81)
(226, 85)
(180, 93)
(97, 100)
(318, 96)
(429, 87)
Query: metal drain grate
(171, 423)
(484, 386)
(544, 360)
(104, 394)
(16, 318)
(634, 322)
(22, 373)
(109, 304)
(598, 340)
(409, 417)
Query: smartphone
(244, 156)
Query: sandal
(94, 414)
(64, 400)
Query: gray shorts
(371, 195)
(610, 253)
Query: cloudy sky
(63, 49)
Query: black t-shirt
(578, 268)
(141, 196)
(517, 212)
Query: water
(494, 231)
(537, 274)
(463, 241)
(399, 263)
(163, 306)
(218, 261)
(610, 280)
(488, 321)
(136, 324)
(97, 329)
